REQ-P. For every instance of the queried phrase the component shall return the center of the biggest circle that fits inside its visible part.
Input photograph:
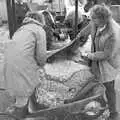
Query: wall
(58, 5)
(116, 12)
(3, 10)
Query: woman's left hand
(84, 55)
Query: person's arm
(41, 50)
(52, 52)
(102, 55)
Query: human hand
(84, 55)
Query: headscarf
(36, 17)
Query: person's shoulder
(33, 27)
(115, 28)
(114, 24)
(39, 29)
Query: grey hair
(101, 12)
(36, 16)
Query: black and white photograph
(59, 59)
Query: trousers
(111, 95)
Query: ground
(4, 35)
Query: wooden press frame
(12, 16)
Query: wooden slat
(76, 16)
(9, 12)
(14, 16)
(11, 16)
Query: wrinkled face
(98, 22)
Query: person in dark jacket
(24, 56)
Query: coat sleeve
(106, 54)
(81, 37)
(41, 51)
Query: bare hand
(84, 55)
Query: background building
(3, 10)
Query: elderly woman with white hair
(24, 55)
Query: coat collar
(28, 20)
(107, 29)
(102, 28)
